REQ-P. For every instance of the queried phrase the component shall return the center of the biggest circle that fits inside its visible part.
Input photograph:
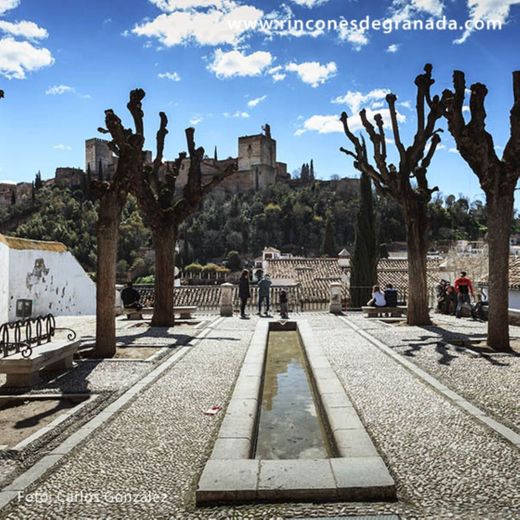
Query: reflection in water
(289, 425)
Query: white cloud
(393, 48)
(18, 58)
(24, 29)
(453, 150)
(62, 147)
(238, 114)
(409, 9)
(356, 100)
(235, 63)
(179, 5)
(7, 5)
(406, 104)
(255, 102)
(310, 3)
(196, 120)
(277, 73)
(331, 124)
(312, 72)
(173, 76)
(487, 10)
(58, 90)
(208, 22)
(357, 37)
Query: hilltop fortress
(258, 168)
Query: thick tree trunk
(416, 237)
(107, 239)
(164, 244)
(500, 214)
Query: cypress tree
(311, 173)
(100, 171)
(328, 247)
(365, 257)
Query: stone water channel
(275, 445)
(289, 426)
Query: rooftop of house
(26, 244)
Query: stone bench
(378, 312)
(134, 314)
(53, 356)
(185, 312)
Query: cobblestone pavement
(106, 378)
(145, 462)
(490, 381)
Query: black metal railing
(22, 336)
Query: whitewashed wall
(54, 281)
(4, 282)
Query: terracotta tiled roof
(312, 276)
(514, 273)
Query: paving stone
(225, 449)
(228, 480)
(296, 479)
(362, 478)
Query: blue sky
(63, 62)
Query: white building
(43, 278)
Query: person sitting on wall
(378, 298)
(131, 297)
(390, 295)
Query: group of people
(264, 296)
(386, 298)
(452, 298)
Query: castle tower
(257, 160)
(99, 157)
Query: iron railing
(22, 336)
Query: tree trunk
(416, 237)
(164, 244)
(107, 239)
(500, 214)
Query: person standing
(264, 291)
(463, 288)
(244, 292)
(284, 305)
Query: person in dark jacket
(131, 297)
(390, 296)
(243, 292)
(264, 288)
(284, 305)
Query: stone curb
(29, 477)
(507, 433)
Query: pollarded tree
(365, 257)
(112, 196)
(155, 188)
(406, 183)
(498, 179)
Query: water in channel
(289, 424)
